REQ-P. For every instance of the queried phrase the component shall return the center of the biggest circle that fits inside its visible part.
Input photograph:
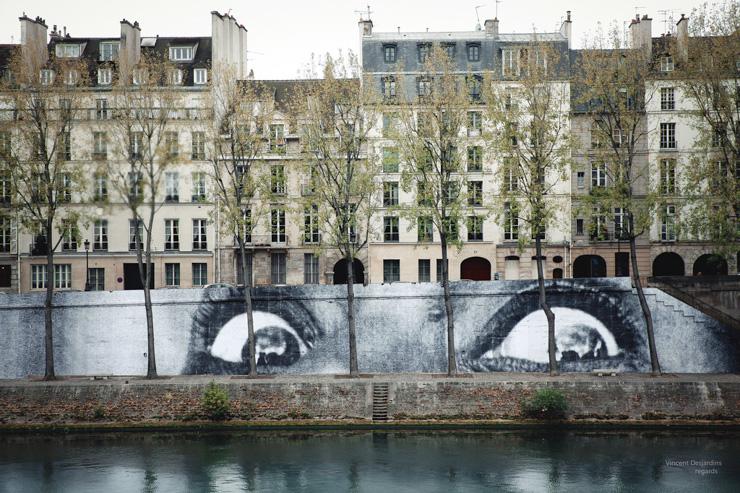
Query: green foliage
(98, 413)
(215, 402)
(545, 404)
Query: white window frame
(277, 226)
(668, 224)
(198, 189)
(510, 62)
(172, 234)
(105, 76)
(100, 234)
(109, 50)
(46, 77)
(71, 77)
(598, 175)
(67, 50)
(181, 53)
(200, 76)
(667, 99)
(311, 269)
(172, 274)
(174, 77)
(200, 234)
(172, 186)
(668, 135)
(39, 277)
(200, 274)
(666, 63)
(62, 276)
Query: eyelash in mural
(285, 330)
(594, 329)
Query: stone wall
(401, 328)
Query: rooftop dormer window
(109, 50)
(389, 53)
(181, 53)
(67, 50)
(474, 52)
(666, 63)
(46, 77)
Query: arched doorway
(589, 266)
(340, 272)
(475, 269)
(710, 264)
(668, 264)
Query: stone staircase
(380, 401)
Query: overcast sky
(284, 33)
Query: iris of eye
(578, 335)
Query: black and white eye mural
(593, 329)
(285, 331)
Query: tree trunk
(654, 364)
(49, 373)
(151, 361)
(353, 368)
(551, 346)
(251, 346)
(451, 361)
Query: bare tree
(531, 133)
(612, 92)
(429, 132)
(337, 115)
(42, 98)
(144, 108)
(236, 137)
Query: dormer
(182, 53)
(69, 50)
(109, 50)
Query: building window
(475, 123)
(6, 144)
(96, 278)
(134, 186)
(65, 185)
(136, 145)
(310, 268)
(509, 62)
(390, 193)
(46, 77)
(101, 109)
(621, 228)
(199, 145)
(138, 76)
(425, 270)
(71, 77)
(171, 186)
(105, 75)
(200, 237)
(390, 121)
(277, 225)
(172, 274)
(668, 176)
(391, 270)
(425, 229)
(450, 50)
(100, 145)
(423, 50)
(668, 226)
(475, 158)
(453, 233)
(100, 235)
(389, 87)
(390, 229)
(109, 51)
(171, 234)
(311, 233)
(599, 229)
(390, 160)
(181, 53)
(598, 175)
(65, 146)
(389, 53)
(38, 276)
(475, 228)
(666, 63)
(198, 192)
(200, 76)
(474, 53)
(667, 135)
(135, 227)
(581, 180)
(278, 268)
(69, 236)
(171, 144)
(6, 234)
(475, 193)
(62, 276)
(277, 139)
(667, 99)
(200, 274)
(65, 50)
(247, 225)
(174, 77)
(475, 85)
(511, 176)
(423, 87)
(579, 227)
(278, 182)
(100, 192)
(511, 222)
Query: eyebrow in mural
(285, 330)
(593, 329)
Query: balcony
(267, 241)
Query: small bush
(215, 402)
(545, 404)
(98, 413)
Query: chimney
(646, 29)
(33, 41)
(366, 27)
(491, 27)
(635, 39)
(129, 52)
(566, 29)
(682, 38)
(229, 44)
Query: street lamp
(87, 265)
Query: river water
(372, 461)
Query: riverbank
(413, 401)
